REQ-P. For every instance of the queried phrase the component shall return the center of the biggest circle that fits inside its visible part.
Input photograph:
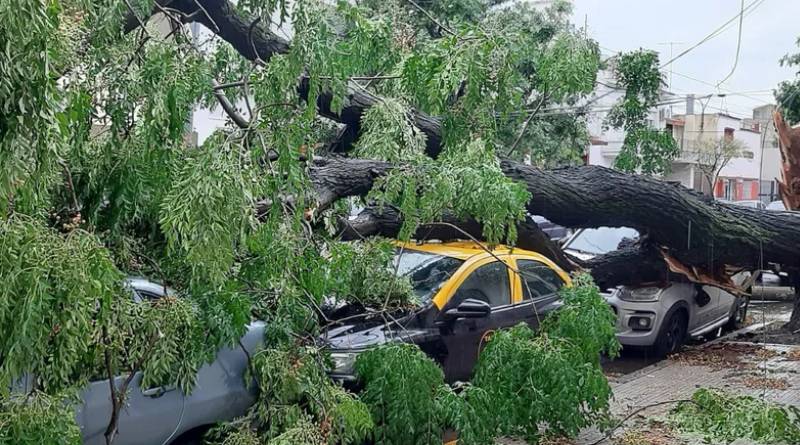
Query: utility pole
(671, 47)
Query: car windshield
(600, 240)
(427, 271)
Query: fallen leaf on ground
(761, 382)
(793, 355)
(724, 356)
(654, 434)
(557, 441)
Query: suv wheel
(672, 334)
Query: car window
(487, 283)
(427, 271)
(601, 240)
(538, 280)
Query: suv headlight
(343, 362)
(651, 293)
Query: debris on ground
(723, 417)
(612, 375)
(773, 333)
(556, 441)
(762, 382)
(724, 356)
(793, 355)
(653, 433)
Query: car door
(464, 337)
(539, 290)
(146, 417)
(704, 313)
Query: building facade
(749, 175)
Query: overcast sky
(769, 31)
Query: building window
(730, 190)
(728, 134)
(769, 191)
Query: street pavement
(639, 380)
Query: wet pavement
(760, 310)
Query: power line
(738, 48)
(722, 89)
(704, 82)
(750, 7)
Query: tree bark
(789, 186)
(707, 239)
(694, 229)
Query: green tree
(645, 149)
(98, 178)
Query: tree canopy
(435, 100)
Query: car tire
(736, 321)
(672, 334)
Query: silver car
(660, 318)
(165, 415)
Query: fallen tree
(102, 175)
(701, 238)
(789, 186)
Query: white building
(744, 177)
(739, 177)
(606, 143)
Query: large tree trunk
(703, 239)
(789, 186)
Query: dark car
(465, 292)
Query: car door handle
(157, 391)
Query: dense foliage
(644, 149)
(99, 179)
(36, 420)
(545, 383)
(720, 416)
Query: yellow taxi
(466, 290)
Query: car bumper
(638, 323)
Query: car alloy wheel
(672, 335)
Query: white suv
(661, 318)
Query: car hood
(356, 337)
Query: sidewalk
(768, 371)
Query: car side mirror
(469, 308)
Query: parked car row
(465, 292)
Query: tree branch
(229, 109)
(258, 43)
